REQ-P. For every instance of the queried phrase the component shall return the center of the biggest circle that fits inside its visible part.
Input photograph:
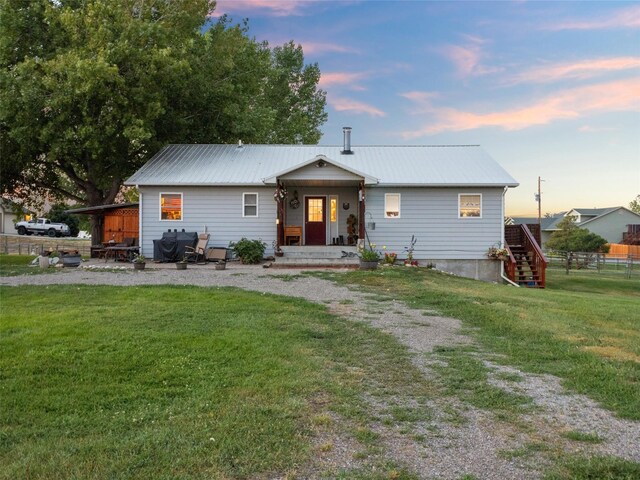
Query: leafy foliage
(634, 205)
(57, 214)
(90, 90)
(249, 251)
(571, 238)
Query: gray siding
(431, 214)
(218, 210)
(612, 225)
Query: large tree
(90, 89)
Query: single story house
(610, 223)
(450, 197)
(8, 216)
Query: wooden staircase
(526, 264)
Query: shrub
(249, 251)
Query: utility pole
(538, 197)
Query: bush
(249, 251)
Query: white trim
(467, 218)
(399, 205)
(244, 205)
(140, 220)
(160, 206)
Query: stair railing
(510, 264)
(538, 259)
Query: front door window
(315, 221)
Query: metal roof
(439, 165)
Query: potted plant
(221, 265)
(369, 257)
(181, 265)
(389, 258)
(498, 253)
(139, 262)
(352, 224)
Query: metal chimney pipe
(346, 148)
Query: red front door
(315, 223)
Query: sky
(548, 89)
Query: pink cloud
(341, 78)
(575, 103)
(354, 106)
(317, 48)
(467, 58)
(277, 8)
(625, 18)
(579, 70)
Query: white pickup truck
(43, 226)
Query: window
(391, 205)
(249, 204)
(470, 205)
(334, 209)
(170, 206)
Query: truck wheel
(21, 230)
(51, 232)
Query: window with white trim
(391, 205)
(249, 204)
(470, 205)
(171, 206)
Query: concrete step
(318, 252)
(292, 262)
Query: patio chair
(197, 254)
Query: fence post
(629, 265)
(568, 259)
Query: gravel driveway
(437, 448)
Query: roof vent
(346, 148)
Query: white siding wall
(216, 209)
(431, 214)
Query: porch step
(319, 252)
(339, 256)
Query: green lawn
(12, 265)
(583, 328)
(183, 382)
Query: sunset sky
(549, 89)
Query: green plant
(249, 251)
(497, 252)
(139, 259)
(389, 258)
(409, 250)
(369, 254)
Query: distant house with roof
(610, 223)
(450, 197)
(9, 215)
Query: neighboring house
(8, 216)
(450, 197)
(610, 223)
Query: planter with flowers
(369, 257)
(498, 253)
(139, 262)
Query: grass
(595, 468)
(181, 382)
(12, 265)
(578, 436)
(583, 329)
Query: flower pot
(181, 265)
(364, 265)
(279, 253)
(221, 266)
(44, 262)
(139, 265)
(71, 260)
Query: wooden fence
(34, 244)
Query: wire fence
(587, 262)
(34, 245)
